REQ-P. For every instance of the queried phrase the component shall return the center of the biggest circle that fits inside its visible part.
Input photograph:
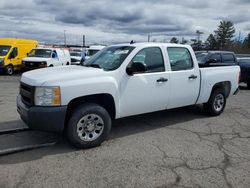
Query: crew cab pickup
(120, 81)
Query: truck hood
(35, 59)
(55, 75)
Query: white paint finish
(63, 57)
(139, 93)
(142, 93)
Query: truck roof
(148, 44)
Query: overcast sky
(109, 21)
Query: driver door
(147, 91)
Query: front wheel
(216, 103)
(88, 126)
(10, 70)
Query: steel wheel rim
(90, 127)
(219, 102)
(9, 70)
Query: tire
(9, 70)
(51, 65)
(216, 103)
(88, 126)
(67, 63)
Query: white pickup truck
(120, 81)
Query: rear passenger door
(184, 78)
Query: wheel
(67, 63)
(216, 103)
(9, 69)
(88, 126)
(51, 65)
(248, 85)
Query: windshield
(45, 53)
(78, 54)
(201, 56)
(110, 58)
(4, 50)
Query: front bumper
(42, 118)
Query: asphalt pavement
(175, 148)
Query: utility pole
(199, 33)
(83, 40)
(64, 32)
(148, 37)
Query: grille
(27, 94)
(31, 64)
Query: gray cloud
(114, 21)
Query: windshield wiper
(93, 65)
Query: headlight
(47, 96)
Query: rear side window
(216, 57)
(180, 58)
(228, 58)
(152, 58)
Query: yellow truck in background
(12, 50)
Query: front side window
(13, 53)
(180, 58)
(44, 53)
(4, 50)
(152, 58)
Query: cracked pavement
(176, 148)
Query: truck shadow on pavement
(121, 128)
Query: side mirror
(53, 55)
(212, 61)
(136, 67)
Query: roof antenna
(132, 42)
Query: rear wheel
(216, 103)
(10, 70)
(88, 126)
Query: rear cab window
(180, 58)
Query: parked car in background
(12, 50)
(244, 64)
(121, 80)
(215, 58)
(46, 57)
(77, 57)
(92, 50)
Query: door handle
(162, 80)
(192, 77)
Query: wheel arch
(225, 86)
(105, 100)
